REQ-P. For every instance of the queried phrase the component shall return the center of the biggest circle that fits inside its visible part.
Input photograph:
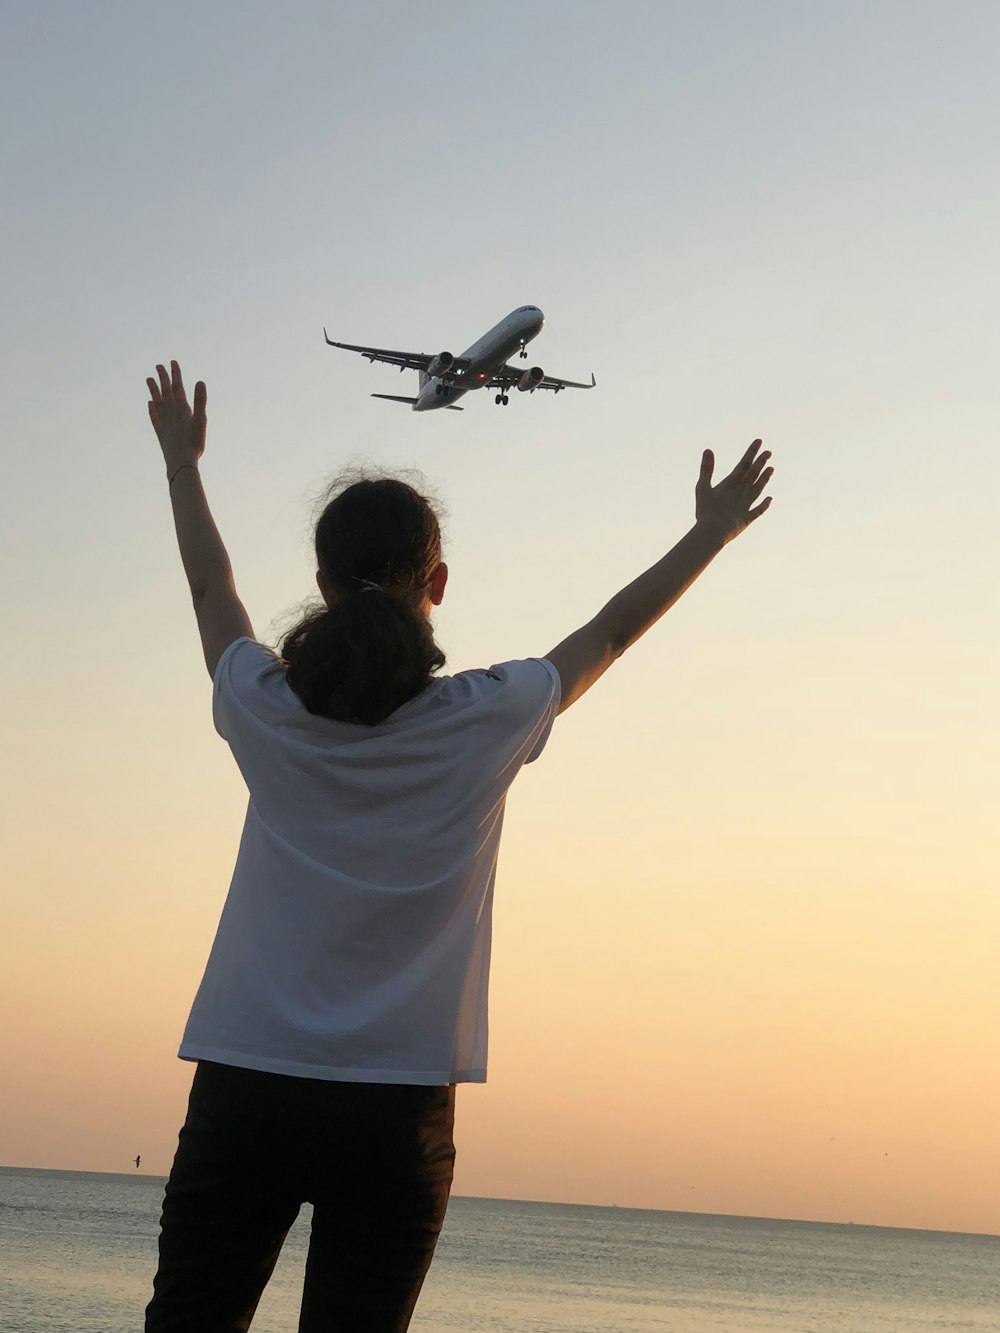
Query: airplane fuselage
(485, 358)
(443, 377)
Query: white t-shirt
(355, 941)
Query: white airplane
(444, 377)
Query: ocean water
(78, 1250)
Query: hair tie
(368, 586)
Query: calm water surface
(78, 1250)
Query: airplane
(444, 377)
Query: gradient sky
(747, 914)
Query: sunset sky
(747, 916)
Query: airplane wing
(404, 360)
(509, 375)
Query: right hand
(728, 507)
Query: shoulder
(526, 686)
(529, 676)
(245, 674)
(245, 659)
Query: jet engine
(440, 364)
(530, 380)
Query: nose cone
(528, 320)
(533, 321)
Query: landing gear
(523, 352)
(501, 398)
(441, 390)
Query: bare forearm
(203, 554)
(180, 429)
(631, 612)
(723, 511)
(584, 657)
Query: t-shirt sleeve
(531, 698)
(237, 676)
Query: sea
(78, 1250)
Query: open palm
(179, 427)
(730, 505)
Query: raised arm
(181, 431)
(721, 513)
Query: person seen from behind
(345, 994)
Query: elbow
(617, 644)
(610, 634)
(206, 590)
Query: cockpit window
(527, 309)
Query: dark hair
(364, 656)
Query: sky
(746, 919)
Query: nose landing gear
(501, 398)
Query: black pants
(375, 1160)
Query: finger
(154, 389)
(200, 400)
(744, 463)
(707, 468)
(760, 509)
(165, 388)
(176, 382)
(760, 483)
(759, 463)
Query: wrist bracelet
(170, 480)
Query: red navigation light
(482, 375)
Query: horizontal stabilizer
(398, 398)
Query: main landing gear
(501, 398)
(441, 390)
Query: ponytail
(358, 659)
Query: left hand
(728, 508)
(179, 428)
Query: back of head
(371, 648)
